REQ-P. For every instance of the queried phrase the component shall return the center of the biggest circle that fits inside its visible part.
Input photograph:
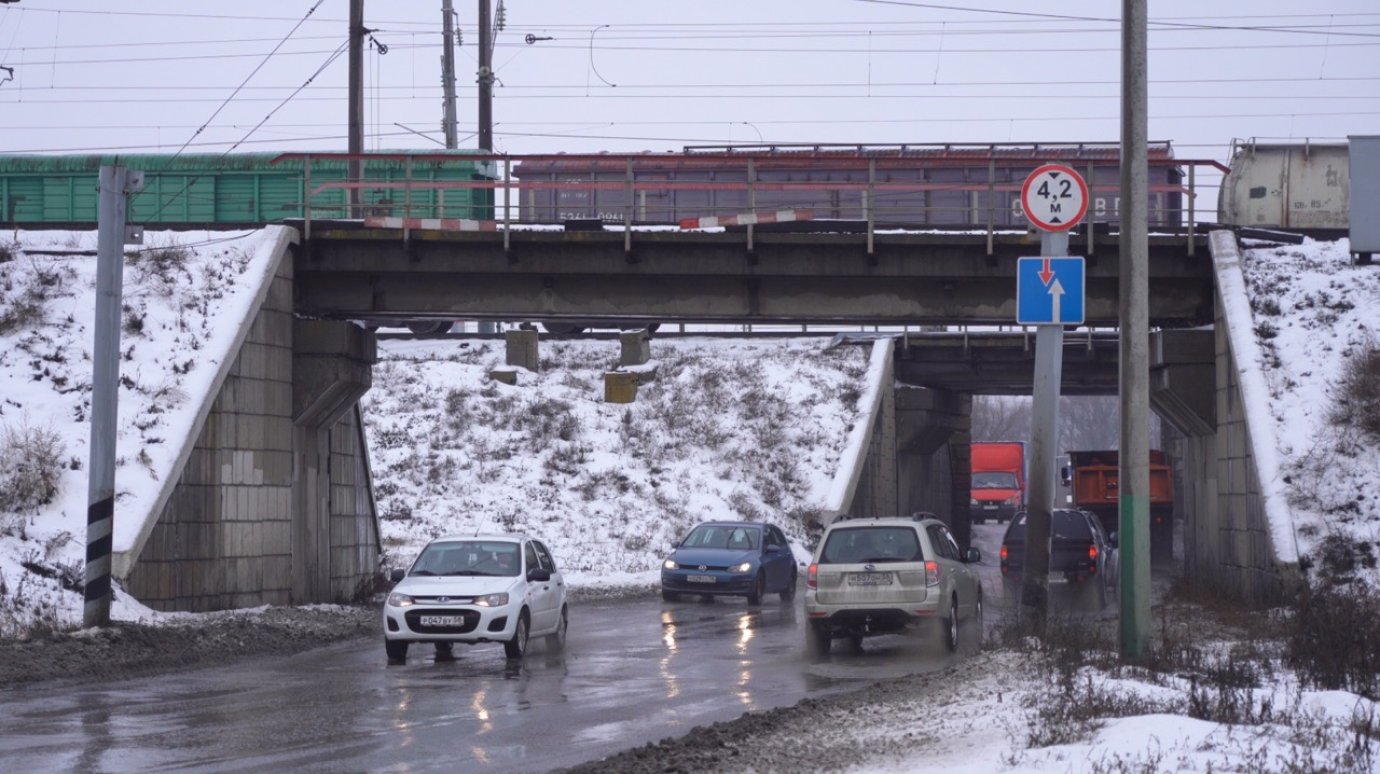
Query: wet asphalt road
(633, 672)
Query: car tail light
(1092, 552)
(1003, 552)
(931, 573)
(812, 577)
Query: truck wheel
(427, 327)
(563, 329)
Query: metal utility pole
(115, 184)
(1134, 320)
(486, 80)
(356, 133)
(486, 101)
(448, 72)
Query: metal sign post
(1049, 295)
(115, 184)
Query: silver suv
(886, 575)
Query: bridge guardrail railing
(700, 190)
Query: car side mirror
(539, 574)
(1111, 540)
(397, 574)
(972, 556)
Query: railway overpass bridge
(309, 447)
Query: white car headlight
(400, 600)
(491, 600)
(670, 564)
(744, 567)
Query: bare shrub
(162, 268)
(31, 464)
(1334, 642)
(1358, 391)
(27, 307)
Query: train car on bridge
(951, 186)
(239, 190)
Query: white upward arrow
(1056, 291)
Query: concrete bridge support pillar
(521, 349)
(332, 364)
(933, 429)
(635, 348)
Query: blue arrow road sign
(1049, 291)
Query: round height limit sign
(1054, 198)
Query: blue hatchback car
(730, 558)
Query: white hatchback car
(473, 589)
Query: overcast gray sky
(617, 75)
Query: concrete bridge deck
(346, 270)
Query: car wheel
(759, 589)
(445, 651)
(951, 626)
(396, 649)
(817, 641)
(517, 646)
(788, 593)
(669, 596)
(555, 642)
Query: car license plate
(701, 578)
(442, 620)
(989, 507)
(870, 579)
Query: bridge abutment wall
(1233, 542)
(933, 429)
(233, 531)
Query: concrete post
(522, 349)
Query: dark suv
(1080, 554)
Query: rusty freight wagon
(952, 186)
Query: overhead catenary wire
(251, 74)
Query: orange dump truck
(1093, 478)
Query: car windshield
(871, 545)
(723, 536)
(994, 480)
(1065, 525)
(469, 557)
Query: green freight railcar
(232, 190)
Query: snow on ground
(1313, 315)
(184, 295)
(726, 430)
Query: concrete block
(620, 387)
(522, 349)
(635, 347)
(504, 375)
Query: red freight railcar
(910, 186)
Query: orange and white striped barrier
(434, 224)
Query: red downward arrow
(1046, 273)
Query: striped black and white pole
(105, 384)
